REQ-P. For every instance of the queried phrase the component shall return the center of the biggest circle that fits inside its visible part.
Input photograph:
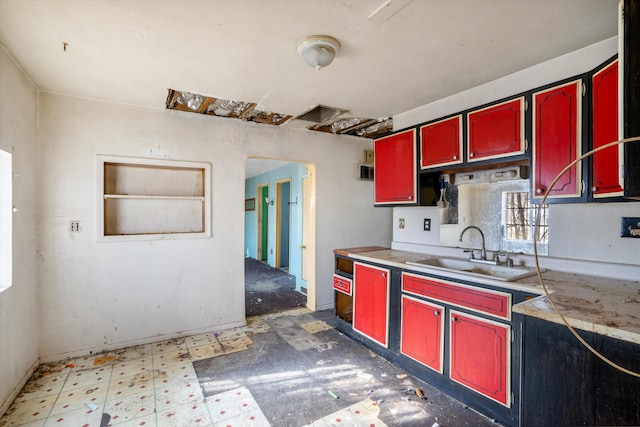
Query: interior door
(283, 221)
(263, 223)
(307, 261)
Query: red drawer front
(494, 303)
(342, 284)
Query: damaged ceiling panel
(194, 103)
(321, 118)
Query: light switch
(427, 224)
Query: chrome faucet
(483, 253)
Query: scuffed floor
(285, 369)
(269, 290)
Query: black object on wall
(631, 91)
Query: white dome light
(318, 51)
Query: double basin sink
(488, 271)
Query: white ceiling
(133, 51)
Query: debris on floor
(272, 370)
(314, 327)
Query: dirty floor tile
(317, 326)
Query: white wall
(111, 294)
(577, 232)
(19, 332)
(564, 66)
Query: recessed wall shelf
(152, 198)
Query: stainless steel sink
(487, 271)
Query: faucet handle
(472, 255)
(507, 260)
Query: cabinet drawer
(342, 284)
(494, 303)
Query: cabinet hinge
(513, 336)
(526, 105)
(584, 89)
(582, 187)
(526, 145)
(513, 398)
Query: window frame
(525, 245)
(6, 219)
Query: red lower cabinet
(422, 335)
(480, 356)
(371, 302)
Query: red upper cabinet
(481, 356)
(371, 302)
(606, 165)
(496, 131)
(557, 140)
(441, 143)
(395, 171)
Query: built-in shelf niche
(151, 198)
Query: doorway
(279, 232)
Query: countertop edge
(538, 307)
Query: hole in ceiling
(320, 114)
(319, 118)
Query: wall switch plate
(630, 227)
(74, 226)
(427, 224)
(401, 223)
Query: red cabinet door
(371, 302)
(606, 174)
(557, 140)
(395, 171)
(441, 143)
(496, 131)
(422, 332)
(481, 355)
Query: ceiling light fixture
(318, 51)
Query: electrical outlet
(630, 227)
(401, 223)
(427, 224)
(74, 226)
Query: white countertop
(609, 307)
